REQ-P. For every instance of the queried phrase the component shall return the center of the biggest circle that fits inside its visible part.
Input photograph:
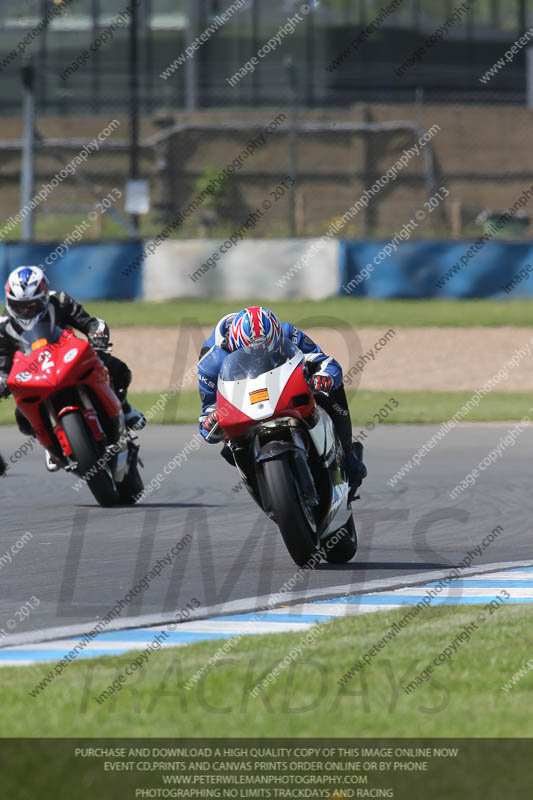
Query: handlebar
(106, 349)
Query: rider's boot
(52, 464)
(135, 421)
(355, 469)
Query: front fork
(117, 459)
(248, 458)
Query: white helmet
(27, 296)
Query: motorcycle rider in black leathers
(28, 301)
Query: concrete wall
(250, 269)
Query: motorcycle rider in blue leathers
(258, 326)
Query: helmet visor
(27, 309)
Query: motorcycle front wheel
(132, 486)
(343, 544)
(290, 513)
(85, 452)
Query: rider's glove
(210, 421)
(98, 334)
(322, 384)
(4, 389)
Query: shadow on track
(147, 505)
(370, 565)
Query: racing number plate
(258, 396)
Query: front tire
(290, 517)
(345, 548)
(85, 452)
(132, 486)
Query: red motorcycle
(62, 387)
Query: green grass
(436, 407)
(414, 407)
(330, 313)
(55, 227)
(462, 698)
(186, 409)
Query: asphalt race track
(81, 559)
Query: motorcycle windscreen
(241, 364)
(251, 385)
(41, 334)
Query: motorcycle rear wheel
(290, 517)
(85, 452)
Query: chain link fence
(353, 85)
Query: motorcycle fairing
(325, 442)
(282, 391)
(53, 367)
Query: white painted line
(63, 646)
(237, 627)
(510, 575)
(230, 627)
(457, 591)
(335, 609)
(251, 604)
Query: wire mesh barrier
(346, 50)
(353, 86)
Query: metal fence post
(293, 141)
(255, 48)
(95, 67)
(43, 57)
(529, 77)
(191, 64)
(134, 101)
(28, 149)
